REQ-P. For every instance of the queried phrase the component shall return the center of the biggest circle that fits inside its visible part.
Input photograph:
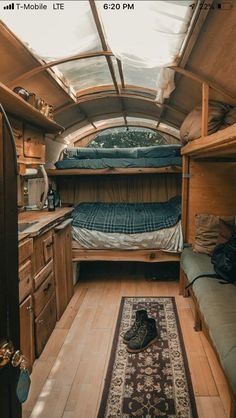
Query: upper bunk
(219, 144)
(93, 161)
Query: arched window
(129, 137)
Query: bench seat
(217, 303)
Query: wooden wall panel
(135, 188)
(212, 189)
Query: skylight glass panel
(142, 77)
(53, 35)
(85, 73)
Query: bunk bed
(150, 244)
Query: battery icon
(225, 6)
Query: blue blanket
(97, 158)
(158, 151)
(118, 163)
(127, 218)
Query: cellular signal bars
(9, 6)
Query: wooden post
(185, 193)
(205, 99)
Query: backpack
(224, 261)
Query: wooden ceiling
(209, 54)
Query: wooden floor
(67, 380)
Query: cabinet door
(44, 325)
(27, 330)
(63, 266)
(34, 144)
(17, 128)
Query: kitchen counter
(43, 220)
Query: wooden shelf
(105, 171)
(220, 144)
(17, 106)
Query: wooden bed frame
(151, 255)
(104, 171)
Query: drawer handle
(47, 287)
(152, 256)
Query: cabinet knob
(29, 308)
(41, 321)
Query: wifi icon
(9, 6)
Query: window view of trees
(129, 137)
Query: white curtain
(148, 36)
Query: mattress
(167, 239)
(98, 158)
(127, 218)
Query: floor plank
(68, 378)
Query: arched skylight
(146, 38)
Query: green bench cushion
(217, 303)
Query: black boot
(145, 336)
(141, 315)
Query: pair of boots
(142, 333)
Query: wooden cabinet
(45, 284)
(44, 289)
(63, 265)
(27, 329)
(30, 142)
(34, 144)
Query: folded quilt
(128, 218)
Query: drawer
(25, 283)
(47, 248)
(34, 144)
(43, 294)
(43, 251)
(17, 128)
(43, 274)
(25, 250)
(45, 324)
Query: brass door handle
(6, 351)
(8, 355)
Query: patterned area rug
(155, 382)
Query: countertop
(43, 219)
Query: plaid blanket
(127, 218)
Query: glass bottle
(51, 199)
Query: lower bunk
(127, 231)
(215, 313)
